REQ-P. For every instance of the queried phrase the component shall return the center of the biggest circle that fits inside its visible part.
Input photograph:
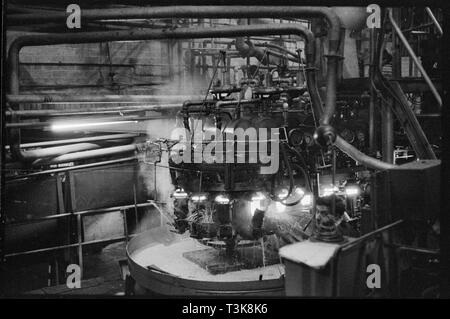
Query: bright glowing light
(307, 200)
(222, 199)
(352, 190)
(198, 198)
(283, 193)
(256, 202)
(258, 197)
(300, 192)
(329, 190)
(180, 194)
(280, 207)
(71, 126)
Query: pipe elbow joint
(325, 135)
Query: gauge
(295, 137)
(308, 139)
(348, 135)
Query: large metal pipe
(293, 55)
(81, 126)
(265, 56)
(247, 50)
(360, 157)
(194, 12)
(340, 143)
(180, 33)
(31, 155)
(83, 98)
(78, 140)
(109, 151)
(387, 134)
(373, 95)
(330, 100)
(93, 110)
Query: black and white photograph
(155, 150)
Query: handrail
(415, 59)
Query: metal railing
(79, 244)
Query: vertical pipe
(125, 226)
(2, 150)
(333, 181)
(387, 134)
(372, 101)
(80, 244)
(387, 119)
(248, 57)
(170, 43)
(228, 69)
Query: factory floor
(102, 275)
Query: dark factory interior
(212, 150)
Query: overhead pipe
(265, 56)
(293, 55)
(193, 12)
(77, 156)
(34, 154)
(84, 126)
(248, 49)
(78, 140)
(92, 111)
(80, 98)
(93, 37)
(31, 155)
